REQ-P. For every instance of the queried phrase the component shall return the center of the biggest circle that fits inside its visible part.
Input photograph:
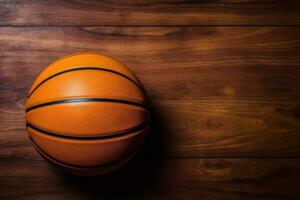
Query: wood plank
(157, 179)
(215, 91)
(168, 12)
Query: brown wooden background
(224, 82)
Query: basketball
(87, 114)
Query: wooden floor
(223, 78)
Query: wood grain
(141, 13)
(156, 179)
(223, 79)
(215, 91)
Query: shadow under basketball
(141, 175)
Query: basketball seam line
(85, 68)
(83, 100)
(104, 136)
(53, 160)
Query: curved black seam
(85, 68)
(103, 136)
(80, 100)
(45, 155)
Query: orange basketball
(87, 114)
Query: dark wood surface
(194, 178)
(149, 12)
(223, 78)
